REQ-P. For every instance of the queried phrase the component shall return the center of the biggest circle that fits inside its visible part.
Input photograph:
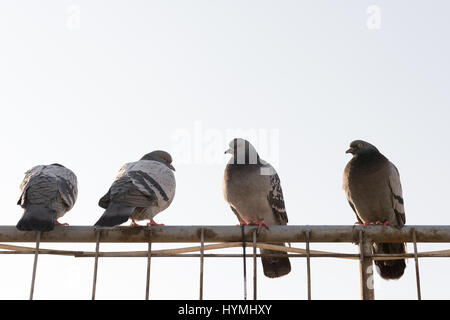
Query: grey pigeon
(252, 188)
(48, 192)
(373, 189)
(141, 190)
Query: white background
(95, 84)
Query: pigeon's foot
(260, 224)
(57, 223)
(153, 223)
(365, 224)
(384, 224)
(242, 223)
(134, 224)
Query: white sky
(135, 76)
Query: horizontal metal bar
(240, 255)
(187, 234)
(218, 255)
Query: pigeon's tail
(275, 267)
(38, 218)
(390, 269)
(114, 215)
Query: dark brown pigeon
(252, 188)
(373, 189)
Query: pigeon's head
(160, 156)
(359, 147)
(243, 151)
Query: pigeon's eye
(164, 158)
(360, 145)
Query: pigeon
(252, 188)
(48, 192)
(374, 192)
(141, 190)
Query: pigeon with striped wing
(141, 190)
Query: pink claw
(365, 224)
(384, 224)
(260, 224)
(153, 223)
(134, 224)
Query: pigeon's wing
(237, 215)
(28, 181)
(105, 200)
(131, 188)
(40, 199)
(67, 184)
(397, 195)
(276, 199)
(389, 269)
(347, 191)
(43, 179)
(354, 209)
(127, 192)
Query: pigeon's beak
(171, 167)
(351, 150)
(228, 151)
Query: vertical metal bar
(97, 247)
(255, 265)
(244, 255)
(202, 248)
(416, 260)
(36, 254)
(308, 264)
(149, 260)
(366, 269)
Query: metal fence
(220, 237)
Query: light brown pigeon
(252, 188)
(373, 189)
